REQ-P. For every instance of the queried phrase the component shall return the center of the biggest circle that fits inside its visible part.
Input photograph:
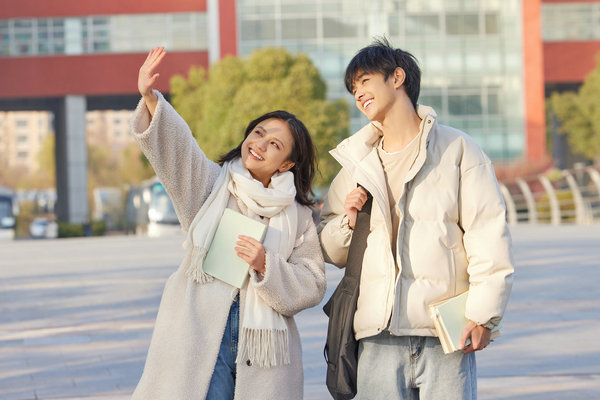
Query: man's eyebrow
(357, 78)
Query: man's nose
(358, 94)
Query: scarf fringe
(263, 347)
(195, 272)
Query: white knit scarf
(264, 337)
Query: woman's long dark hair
(303, 154)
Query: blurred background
(519, 76)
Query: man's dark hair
(381, 57)
(303, 155)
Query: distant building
(487, 64)
(109, 128)
(22, 135)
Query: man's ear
(398, 76)
(286, 166)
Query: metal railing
(556, 197)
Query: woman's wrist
(151, 100)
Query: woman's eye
(259, 133)
(275, 144)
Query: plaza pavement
(76, 317)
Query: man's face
(374, 94)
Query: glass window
(493, 104)
(21, 123)
(22, 139)
(23, 23)
(422, 25)
(431, 100)
(464, 104)
(117, 33)
(462, 24)
(300, 28)
(296, 7)
(22, 154)
(575, 21)
(335, 28)
(394, 24)
(258, 29)
(492, 24)
(474, 61)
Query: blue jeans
(412, 368)
(222, 383)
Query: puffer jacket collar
(358, 155)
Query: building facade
(487, 65)
(22, 135)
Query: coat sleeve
(487, 244)
(334, 234)
(186, 173)
(292, 285)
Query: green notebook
(449, 320)
(222, 261)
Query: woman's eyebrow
(274, 138)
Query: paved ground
(76, 318)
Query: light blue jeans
(222, 383)
(412, 368)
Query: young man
(438, 228)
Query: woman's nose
(263, 143)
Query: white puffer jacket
(452, 234)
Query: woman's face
(267, 149)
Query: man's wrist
(491, 324)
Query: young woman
(211, 340)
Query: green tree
(579, 115)
(133, 166)
(219, 104)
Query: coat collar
(358, 155)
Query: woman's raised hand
(148, 75)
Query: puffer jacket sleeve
(487, 243)
(334, 234)
(292, 285)
(185, 172)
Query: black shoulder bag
(341, 347)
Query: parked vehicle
(149, 210)
(43, 228)
(7, 213)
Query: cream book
(449, 320)
(221, 260)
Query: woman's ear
(286, 166)
(399, 76)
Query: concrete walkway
(76, 318)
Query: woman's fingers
(250, 240)
(156, 58)
(147, 75)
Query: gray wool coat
(191, 318)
